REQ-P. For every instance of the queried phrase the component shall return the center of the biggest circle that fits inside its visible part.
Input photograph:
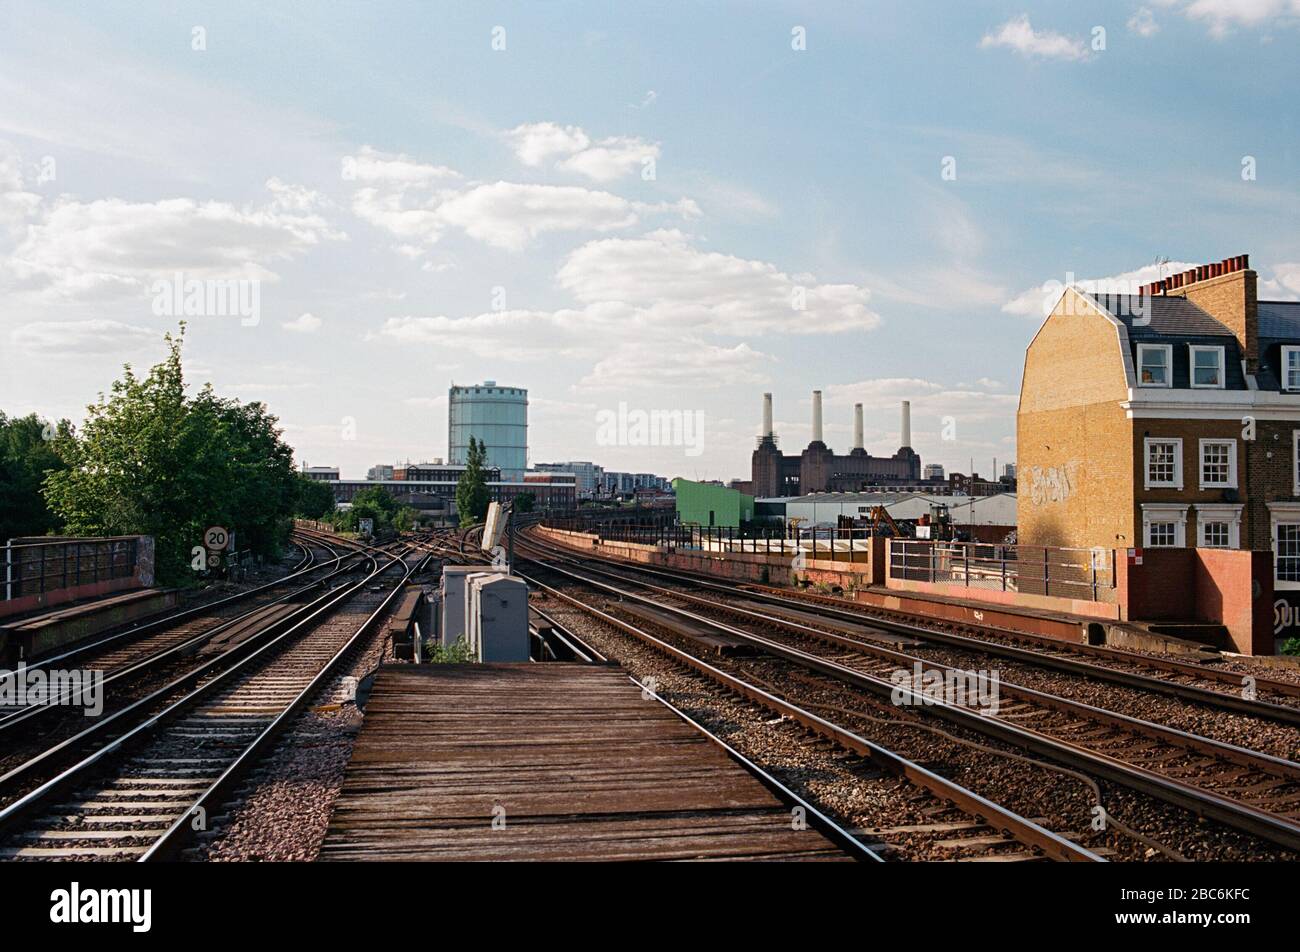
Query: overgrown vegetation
(471, 491)
(314, 499)
(1290, 647)
(27, 456)
(459, 653)
(378, 505)
(152, 460)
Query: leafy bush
(152, 460)
(459, 653)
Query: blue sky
(418, 207)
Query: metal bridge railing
(829, 543)
(1034, 569)
(32, 568)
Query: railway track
(125, 654)
(38, 740)
(144, 790)
(1243, 789)
(1049, 654)
(943, 816)
(1230, 690)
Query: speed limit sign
(216, 539)
(214, 561)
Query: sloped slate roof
(1168, 316)
(1279, 320)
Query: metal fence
(1034, 569)
(32, 568)
(814, 542)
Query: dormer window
(1153, 365)
(1290, 367)
(1207, 366)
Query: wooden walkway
(546, 762)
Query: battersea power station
(819, 469)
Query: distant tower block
(817, 416)
(907, 423)
(495, 415)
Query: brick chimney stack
(1226, 290)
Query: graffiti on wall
(1052, 484)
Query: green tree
(404, 518)
(471, 491)
(374, 503)
(314, 499)
(27, 454)
(150, 460)
(524, 502)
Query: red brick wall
(1229, 587)
(1160, 589)
(1235, 588)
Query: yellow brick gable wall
(1074, 445)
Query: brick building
(818, 468)
(1169, 418)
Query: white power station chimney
(857, 427)
(767, 414)
(907, 422)
(817, 416)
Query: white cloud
(695, 364)
(16, 204)
(674, 286)
(52, 338)
(1284, 285)
(1038, 302)
(643, 294)
(1019, 35)
(503, 335)
(390, 211)
(1143, 22)
(304, 324)
(1222, 15)
(611, 158)
(506, 215)
(535, 142)
(371, 166)
(604, 161)
(112, 246)
(949, 424)
(509, 215)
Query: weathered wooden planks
(569, 760)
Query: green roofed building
(707, 504)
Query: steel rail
(834, 831)
(174, 618)
(995, 815)
(170, 843)
(1242, 756)
(1262, 823)
(275, 634)
(1266, 710)
(13, 719)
